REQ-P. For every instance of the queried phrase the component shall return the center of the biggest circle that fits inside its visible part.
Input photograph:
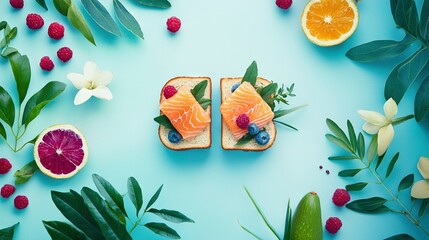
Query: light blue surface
(217, 39)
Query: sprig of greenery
(7, 233)
(102, 214)
(354, 146)
(416, 30)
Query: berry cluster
(8, 190)
(340, 198)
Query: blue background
(217, 39)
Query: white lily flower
(421, 188)
(93, 82)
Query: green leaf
(72, 206)
(110, 227)
(281, 113)
(171, 215)
(62, 6)
(7, 233)
(101, 16)
(421, 102)
(406, 16)
(22, 72)
(154, 198)
(402, 236)
(379, 161)
(126, 19)
(406, 182)
(245, 139)
(39, 100)
(155, 3)
(78, 21)
(361, 146)
(251, 74)
(349, 172)
(11, 34)
(26, 172)
(369, 205)
(338, 132)
(423, 207)
(288, 222)
(9, 51)
(199, 90)
(338, 142)
(424, 21)
(356, 186)
(352, 135)
(269, 90)
(135, 193)
(286, 125)
(7, 107)
(112, 196)
(3, 131)
(42, 3)
(372, 149)
(62, 231)
(164, 121)
(392, 164)
(163, 230)
(251, 233)
(3, 25)
(205, 103)
(342, 158)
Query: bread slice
(204, 140)
(228, 140)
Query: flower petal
(390, 109)
(90, 71)
(423, 166)
(370, 128)
(373, 117)
(103, 79)
(420, 189)
(77, 79)
(82, 96)
(385, 136)
(103, 93)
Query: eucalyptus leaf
(101, 16)
(421, 102)
(7, 233)
(164, 121)
(356, 186)
(251, 74)
(338, 132)
(205, 103)
(338, 142)
(112, 196)
(62, 231)
(372, 149)
(245, 139)
(62, 6)
(423, 207)
(22, 73)
(171, 215)
(25, 173)
(154, 198)
(349, 172)
(199, 90)
(369, 205)
(424, 21)
(342, 158)
(352, 135)
(402, 236)
(126, 19)
(155, 3)
(135, 193)
(163, 230)
(7, 107)
(406, 182)
(3, 132)
(392, 164)
(361, 146)
(78, 21)
(42, 3)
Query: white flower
(93, 82)
(421, 188)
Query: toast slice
(204, 139)
(228, 140)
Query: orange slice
(329, 22)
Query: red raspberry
(341, 197)
(20, 202)
(284, 4)
(242, 121)
(5, 166)
(17, 3)
(169, 91)
(46, 63)
(34, 21)
(173, 24)
(64, 54)
(333, 224)
(7, 190)
(56, 31)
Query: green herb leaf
(26, 172)
(402, 236)
(251, 233)
(199, 90)
(349, 172)
(163, 230)
(9, 51)
(112, 196)
(72, 206)
(78, 21)
(406, 182)
(154, 198)
(126, 19)
(62, 231)
(286, 125)
(379, 161)
(39, 100)
(110, 227)
(164, 121)
(205, 103)
(281, 113)
(7, 107)
(155, 3)
(11, 34)
(352, 135)
(392, 164)
(3, 132)
(338, 142)
(268, 91)
(288, 222)
(3, 25)
(338, 132)
(406, 16)
(42, 3)
(421, 102)
(62, 6)
(171, 215)
(361, 146)
(369, 205)
(245, 139)
(356, 186)
(372, 149)
(251, 74)
(342, 158)
(22, 72)
(424, 21)
(423, 206)
(101, 16)
(7, 233)
(135, 193)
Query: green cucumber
(307, 219)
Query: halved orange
(329, 22)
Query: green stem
(399, 120)
(137, 223)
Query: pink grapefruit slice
(61, 151)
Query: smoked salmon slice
(185, 113)
(245, 100)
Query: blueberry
(253, 129)
(174, 136)
(234, 87)
(262, 138)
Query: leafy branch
(355, 147)
(7, 233)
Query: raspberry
(169, 91)
(34, 21)
(5, 166)
(56, 31)
(242, 121)
(17, 3)
(20, 202)
(341, 197)
(173, 24)
(46, 63)
(333, 224)
(7, 190)
(64, 54)
(284, 4)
